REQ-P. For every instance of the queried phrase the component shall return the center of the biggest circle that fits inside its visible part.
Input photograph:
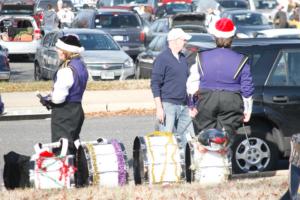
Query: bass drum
(102, 163)
(158, 159)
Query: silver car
(104, 58)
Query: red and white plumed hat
(222, 28)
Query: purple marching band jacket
(80, 80)
(209, 73)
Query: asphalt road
(20, 136)
(21, 69)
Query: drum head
(138, 162)
(82, 173)
(190, 174)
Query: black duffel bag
(16, 170)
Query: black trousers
(219, 109)
(66, 122)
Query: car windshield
(249, 19)
(116, 20)
(94, 42)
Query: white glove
(193, 81)
(248, 103)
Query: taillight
(37, 34)
(192, 49)
(142, 36)
(41, 16)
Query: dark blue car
(1, 106)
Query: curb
(23, 117)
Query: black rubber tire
(37, 72)
(266, 146)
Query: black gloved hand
(45, 101)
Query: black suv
(275, 66)
(126, 27)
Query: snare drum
(102, 163)
(49, 171)
(157, 159)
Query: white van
(19, 32)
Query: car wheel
(37, 72)
(137, 74)
(254, 154)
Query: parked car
(247, 22)
(189, 22)
(1, 105)
(126, 27)
(266, 7)
(144, 61)
(276, 74)
(280, 33)
(221, 5)
(4, 65)
(20, 33)
(233, 5)
(104, 58)
(173, 8)
(111, 3)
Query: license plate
(107, 75)
(118, 38)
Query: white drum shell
(162, 160)
(50, 176)
(209, 167)
(103, 166)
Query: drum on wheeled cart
(158, 159)
(101, 162)
(206, 158)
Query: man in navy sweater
(168, 84)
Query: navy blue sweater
(169, 77)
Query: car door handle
(280, 99)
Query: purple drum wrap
(121, 162)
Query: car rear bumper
(4, 75)
(21, 47)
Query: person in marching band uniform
(224, 83)
(168, 84)
(69, 85)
